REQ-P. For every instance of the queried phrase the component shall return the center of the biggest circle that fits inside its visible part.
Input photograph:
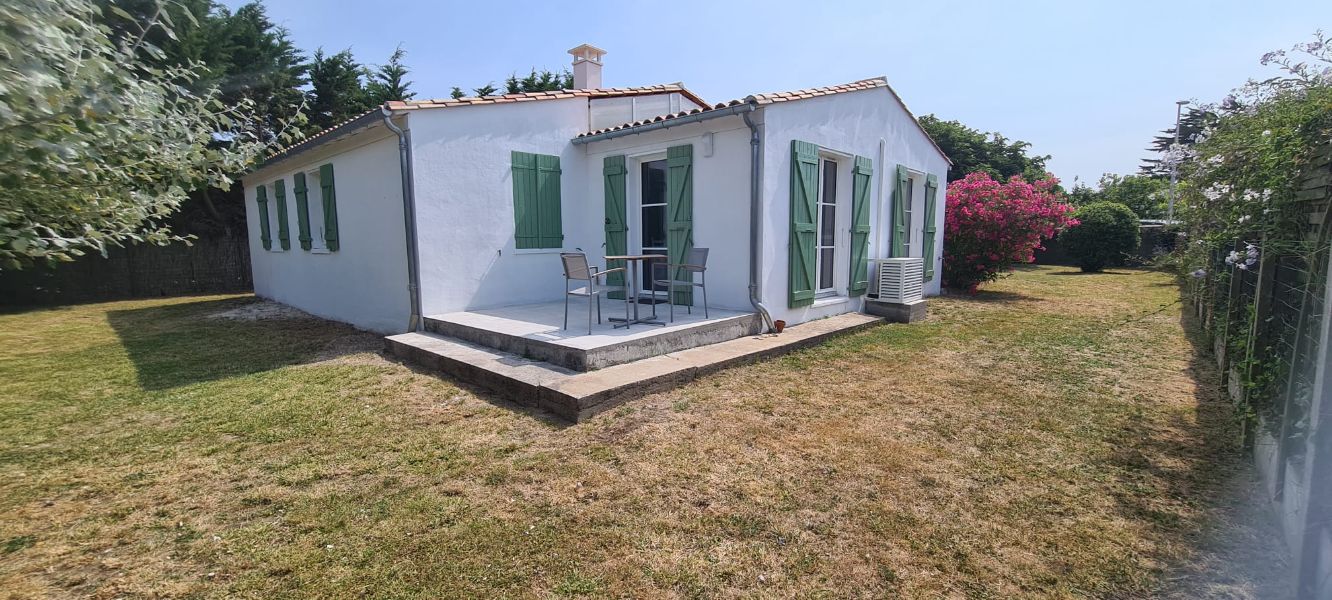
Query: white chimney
(587, 67)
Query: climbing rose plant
(989, 226)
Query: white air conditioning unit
(897, 280)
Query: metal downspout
(408, 219)
(755, 204)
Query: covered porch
(536, 331)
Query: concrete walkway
(575, 396)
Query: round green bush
(1106, 233)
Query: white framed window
(314, 202)
(908, 212)
(826, 239)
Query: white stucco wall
(609, 112)
(853, 123)
(363, 283)
(465, 220)
(464, 201)
(721, 197)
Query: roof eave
(706, 115)
(365, 121)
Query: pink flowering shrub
(989, 226)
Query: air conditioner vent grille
(898, 280)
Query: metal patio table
(633, 260)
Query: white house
(430, 207)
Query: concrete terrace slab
(575, 396)
(536, 331)
(545, 322)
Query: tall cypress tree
(244, 55)
(337, 92)
(539, 81)
(388, 81)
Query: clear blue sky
(1088, 82)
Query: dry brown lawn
(1057, 435)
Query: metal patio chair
(696, 261)
(576, 269)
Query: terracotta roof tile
(777, 97)
(400, 105)
(762, 99)
(316, 138)
(559, 94)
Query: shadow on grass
(1080, 272)
(184, 344)
(1227, 539)
(990, 297)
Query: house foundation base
(576, 396)
(897, 313)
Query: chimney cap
(587, 52)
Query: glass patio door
(826, 226)
(651, 214)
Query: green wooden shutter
(284, 230)
(549, 229)
(302, 210)
(927, 241)
(860, 225)
(261, 199)
(330, 207)
(617, 242)
(680, 214)
(804, 217)
(899, 213)
(526, 232)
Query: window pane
(654, 226)
(825, 268)
(654, 182)
(645, 274)
(827, 224)
(911, 208)
(829, 181)
(651, 268)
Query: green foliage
(1145, 196)
(457, 93)
(1106, 233)
(1241, 179)
(262, 66)
(98, 147)
(1081, 195)
(242, 54)
(387, 82)
(337, 91)
(1192, 123)
(488, 89)
(974, 151)
(543, 81)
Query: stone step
(667, 340)
(576, 396)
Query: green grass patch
(1052, 436)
